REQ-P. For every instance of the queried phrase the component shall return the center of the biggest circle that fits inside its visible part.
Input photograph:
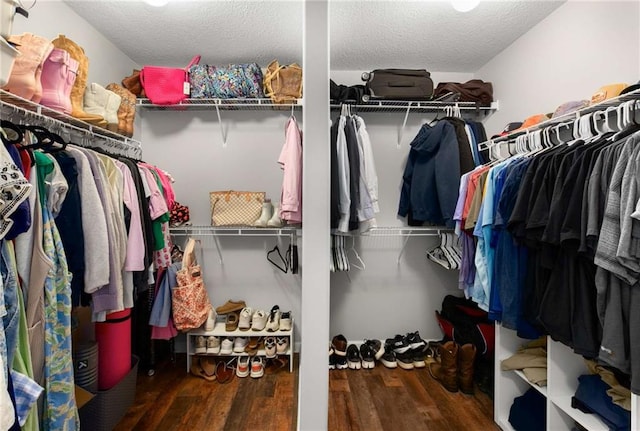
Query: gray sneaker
(213, 345)
(201, 344)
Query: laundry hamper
(105, 410)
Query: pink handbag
(166, 85)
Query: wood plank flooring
(364, 400)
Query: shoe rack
(220, 331)
(563, 369)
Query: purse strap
(195, 60)
(188, 256)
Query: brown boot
(127, 109)
(466, 359)
(133, 84)
(77, 92)
(445, 371)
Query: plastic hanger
(353, 249)
(9, 126)
(282, 268)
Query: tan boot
(27, 68)
(445, 371)
(466, 359)
(127, 109)
(77, 92)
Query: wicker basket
(105, 410)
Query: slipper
(208, 366)
(224, 373)
(198, 371)
(255, 343)
(231, 324)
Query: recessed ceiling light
(157, 3)
(464, 5)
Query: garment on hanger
(290, 161)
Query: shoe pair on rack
(270, 215)
(409, 351)
(230, 345)
(454, 366)
(207, 345)
(250, 365)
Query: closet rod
(564, 119)
(12, 105)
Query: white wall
(48, 18)
(189, 146)
(390, 297)
(578, 48)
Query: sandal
(201, 369)
(224, 372)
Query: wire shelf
(232, 231)
(416, 106)
(399, 231)
(46, 117)
(252, 104)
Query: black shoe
(398, 344)
(339, 345)
(415, 341)
(332, 361)
(353, 357)
(341, 362)
(405, 360)
(376, 347)
(418, 356)
(368, 357)
(388, 359)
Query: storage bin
(7, 55)
(104, 411)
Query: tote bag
(189, 299)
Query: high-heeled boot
(267, 209)
(77, 92)
(58, 76)
(445, 371)
(27, 67)
(126, 110)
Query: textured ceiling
(365, 34)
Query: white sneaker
(245, 319)
(259, 320)
(226, 346)
(201, 344)
(257, 367)
(282, 344)
(213, 345)
(285, 321)
(243, 367)
(273, 323)
(239, 344)
(270, 347)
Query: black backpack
(462, 321)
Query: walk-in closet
(463, 259)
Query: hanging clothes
(290, 161)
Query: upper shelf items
(14, 106)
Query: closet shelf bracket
(404, 124)
(223, 132)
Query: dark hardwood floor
(364, 400)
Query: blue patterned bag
(226, 82)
